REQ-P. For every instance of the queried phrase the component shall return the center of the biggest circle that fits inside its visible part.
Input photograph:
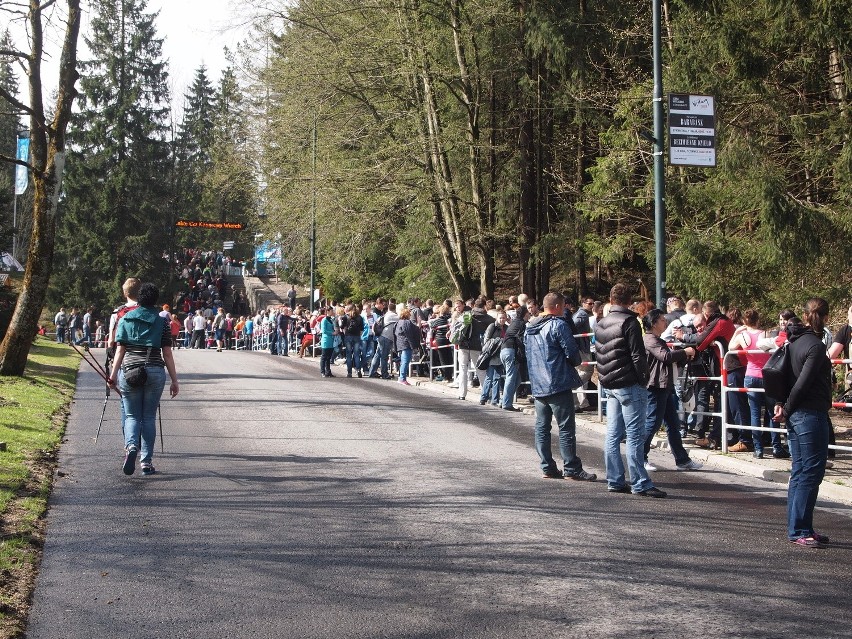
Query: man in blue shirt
(552, 353)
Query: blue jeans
(560, 406)
(87, 337)
(380, 359)
(758, 404)
(491, 386)
(662, 408)
(807, 433)
(60, 334)
(140, 404)
(354, 352)
(513, 376)
(369, 346)
(404, 361)
(626, 411)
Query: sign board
(267, 252)
(201, 224)
(692, 129)
(226, 246)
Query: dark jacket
(622, 360)
(406, 335)
(514, 337)
(498, 333)
(352, 326)
(660, 361)
(480, 320)
(552, 354)
(581, 325)
(811, 371)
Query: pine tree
(117, 217)
(230, 185)
(194, 144)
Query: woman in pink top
(758, 404)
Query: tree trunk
(445, 204)
(48, 163)
(470, 94)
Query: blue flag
(22, 173)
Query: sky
(196, 31)
(193, 32)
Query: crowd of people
(655, 368)
(649, 362)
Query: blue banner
(267, 252)
(22, 173)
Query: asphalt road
(287, 505)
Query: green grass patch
(33, 413)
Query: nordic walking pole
(106, 367)
(102, 373)
(103, 412)
(160, 415)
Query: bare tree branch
(11, 99)
(16, 54)
(9, 159)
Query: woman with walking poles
(143, 355)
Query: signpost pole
(659, 161)
(313, 217)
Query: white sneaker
(453, 385)
(690, 465)
(650, 467)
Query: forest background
(463, 147)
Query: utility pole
(659, 158)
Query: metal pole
(313, 216)
(14, 226)
(659, 160)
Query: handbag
(777, 373)
(138, 375)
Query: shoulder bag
(777, 374)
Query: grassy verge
(33, 413)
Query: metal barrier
(725, 389)
(434, 349)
